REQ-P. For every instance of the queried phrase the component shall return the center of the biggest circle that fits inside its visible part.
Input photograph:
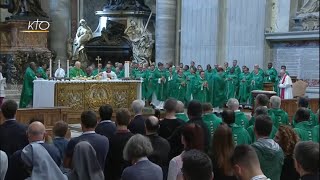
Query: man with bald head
(285, 85)
(161, 146)
(36, 134)
(76, 71)
(27, 89)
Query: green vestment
(270, 113)
(180, 88)
(227, 70)
(120, 74)
(41, 73)
(141, 75)
(315, 134)
(212, 122)
(191, 79)
(256, 84)
(201, 92)
(244, 87)
(151, 84)
(75, 72)
(313, 120)
(171, 85)
(232, 83)
(250, 130)
(218, 90)
(161, 90)
(304, 130)
(270, 75)
(182, 116)
(240, 135)
(281, 117)
(241, 119)
(270, 156)
(237, 70)
(97, 71)
(27, 88)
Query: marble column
(60, 14)
(165, 30)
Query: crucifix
(98, 59)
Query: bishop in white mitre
(285, 86)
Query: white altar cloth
(44, 90)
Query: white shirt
(112, 74)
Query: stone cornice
(292, 36)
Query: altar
(81, 95)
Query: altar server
(285, 85)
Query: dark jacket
(106, 128)
(61, 144)
(310, 177)
(288, 169)
(136, 125)
(142, 170)
(13, 136)
(206, 133)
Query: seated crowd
(196, 145)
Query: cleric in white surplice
(285, 86)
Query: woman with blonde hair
(287, 139)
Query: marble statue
(84, 34)
(133, 31)
(26, 8)
(142, 48)
(309, 6)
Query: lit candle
(126, 69)
(59, 64)
(67, 68)
(50, 68)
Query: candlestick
(59, 64)
(50, 68)
(126, 69)
(67, 68)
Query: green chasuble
(120, 74)
(180, 88)
(281, 117)
(151, 84)
(313, 120)
(42, 73)
(270, 75)
(208, 76)
(237, 70)
(191, 79)
(315, 134)
(212, 122)
(241, 119)
(270, 113)
(182, 116)
(244, 87)
(140, 74)
(171, 84)
(256, 83)
(201, 90)
(304, 130)
(270, 156)
(218, 90)
(97, 71)
(232, 83)
(27, 89)
(75, 72)
(250, 130)
(161, 90)
(240, 135)
(227, 70)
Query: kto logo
(38, 26)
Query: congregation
(183, 82)
(197, 145)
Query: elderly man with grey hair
(136, 151)
(180, 112)
(241, 118)
(281, 117)
(137, 123)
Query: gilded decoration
(91, 95)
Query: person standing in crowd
(226, 68)
(218, 89)
(256, 81)
(210, 119)
(180, 86)
(136, 125)
(304, 102)
(161, 91)
(231, 84)
(244, 86)
(303, 127)
(106, 126)
(283, 67)
(201, 89)
(60, 130)
(241, 119)
(269, 152)
(281, 117)
(306, 160)
(41, 71)
(222, 150)
(191, 78)
(3, 85)
(136, 151)
(3, 165)
(196, 165)
(246, 163)
(180, 112)
(262, 100)
(285, 86)
(287, 139)
(115, 163)
(191, 138)
(27, 88)
(271, 76)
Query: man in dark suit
(161, 146)
(12, 133)
(106, 127)
(36, 133)
(137, 123)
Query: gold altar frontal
(83, 96)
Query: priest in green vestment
(256, 82)
(201, 88)
(180, 86)
(271, 76)
(281, 117)
(241, 118)
(141, 74)
(98, 70)
(232, 84)
(315, 134)
(151, 83)
(304, 102)
(210, 119)
(171, 83)
(76, 71)
(180, 114)
(244, 86)
(27, 88)
(160, 77)
(237, 69)
(226, 68)
(41, 71)
(218, 96)
(303, 127)
(191, 79)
